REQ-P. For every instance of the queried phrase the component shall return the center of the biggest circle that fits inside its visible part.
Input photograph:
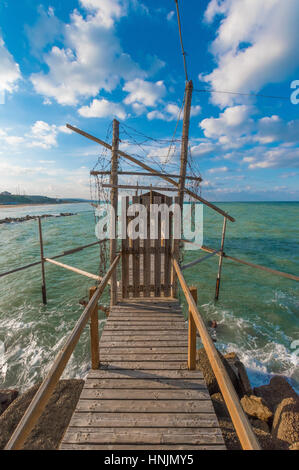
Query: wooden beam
(75, 270)
(139, 173)
(46, 389)
(149, 188)
(220, 260)
(44, 289)
(240, 421)
(151, 170)
(192, 334)
(114, 207)
(94, 333)
(185, 140)
(199, 260)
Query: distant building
(5, 193)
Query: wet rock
(53, 422)
(286, 421)
(203, 364)
(7, 396)
(273, 393)
(256, 408)
(240, 371)
(259, 424)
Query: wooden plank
(144, 350)
(148, 384)
(144, 374)
(157, 256)
(220, 260)
(144, 435)
(150, 365)
(121, 394)
(119, 343)
(125, 256)
(126, 447)
(188, 420)
(136, 260)
(139, 173)
(94, 333)
(120, 356)
(145, 406)
(75, 270)
(147, 246)
(114, 207)
(149, 326)
(192, 334)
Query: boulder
(6, 398)
(51, 426)
(219, 405)
(265, 439)
(256, 408)
(286, 421)
(240, 371)
(259, 424)
(203, 364)
(273, 393)
(294, 446)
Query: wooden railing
(46, 389)
(242, 426)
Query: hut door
(146, 263)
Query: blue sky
(88, 61)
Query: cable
(242, 94)
(181, 38)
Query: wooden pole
(220, 260)
(240, 421)
(139, 173)
(151, 170)
(44, 289)
(184, 158)
(192, 334)
(114, 207)
(94, 334)
(43, 395)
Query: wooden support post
(184, 158)
(44, 290)
(192, 334)
(94, 334)
(114, 207)
(220, 260)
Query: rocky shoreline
(9, 220)
(273, 409)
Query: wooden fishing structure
(143, 391)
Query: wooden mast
(114, 207)
(184, 158)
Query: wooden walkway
(143, 396)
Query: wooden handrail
(46, 389)
(240, 421)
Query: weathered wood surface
(143, 396)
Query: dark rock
(219, 405)
(286, 421)
(256, 408)
(266, 440)
(6, 398)
(240, 371)
(53, 422)
(259, 424)
(273, 393)
(203, 364)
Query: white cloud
(170, 16)
(101, 109)
(279, 157)
(9, 70)
(47, 28)
(144, 92)
(171, 112)
(256, 44)
(91, 59)
(222, 169)
(233, 122)
(41, 134)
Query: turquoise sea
(257, 313)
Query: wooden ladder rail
(46, 389)
(240, 421)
